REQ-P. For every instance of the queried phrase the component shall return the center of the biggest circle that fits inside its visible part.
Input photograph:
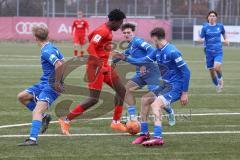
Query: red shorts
(97, 77)
(79, 39)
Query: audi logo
(26, 27)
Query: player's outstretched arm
(186, 76)
(141, 61)
(226, 41)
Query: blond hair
(41, 33)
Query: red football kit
(79, 28)
(98, 69)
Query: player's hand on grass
(184, 98)
(58, 87)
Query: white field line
(109, 118)
(123, 134)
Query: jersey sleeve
(176, 56)
(60, 56)
(142, 61)
(140, 43)
(51, 57)
(127, 52)
(73, 25)
(98, 37)
(86, 25)
(183, 67)
(222, 30)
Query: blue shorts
(169, 93)
(152, 81)
(43, 92)
(213, 57)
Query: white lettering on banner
(232, 33)
(26, 27)
(64, 29)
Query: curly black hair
(116, 15)
(158, 32)
(128, 25)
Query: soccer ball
(133, 127)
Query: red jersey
(79, 26)
(100, 42)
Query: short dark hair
(212, 11)
(40, 33)
(128, 25)
(116, 15)
(158, 32)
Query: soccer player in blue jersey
(39, 97)
(145, 75)
(175, 82)
(211, 35)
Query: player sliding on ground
(99, 72)
(39, 97)
(80, 29)
(175, 76)
(211, 35)
(145, 75)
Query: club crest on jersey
(52, 57)
(97, 38)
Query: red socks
(79, 110)
(117, 113)
(75, 52)
(75, 112)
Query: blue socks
(168, 109)
(157, 132)
(144, 127)
(215, 81)
(36, 126)
(132, 111)
(219, 75)
(31, 105)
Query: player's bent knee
(23, 97)
(217, 68)
(158, 103)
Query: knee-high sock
(75, 112)
(215, 80)
(144, 127)
(36, 126)
(117, 112)
(157, 131)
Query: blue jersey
(49, 56)
(212, 36)
(171, 65)
(139, 48)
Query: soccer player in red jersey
(80, 29)
(99, 72)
